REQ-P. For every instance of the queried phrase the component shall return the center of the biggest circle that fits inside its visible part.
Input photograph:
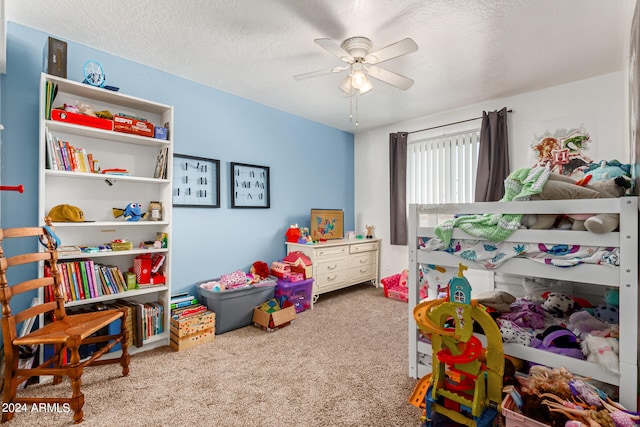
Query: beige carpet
(344, 363)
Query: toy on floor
(463, 388)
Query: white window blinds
(443, 169)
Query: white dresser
(341, 263)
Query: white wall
(598, 104)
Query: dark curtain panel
(493, 158)
(398, 187)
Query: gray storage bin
(234, 307)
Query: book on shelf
(63, 156)
(83, 279)
(50, 89)
(136, 318)
(160, 170)
(52, 156)
(100, 283)
(153, 317)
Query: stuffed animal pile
(560, 323)
(602, 180)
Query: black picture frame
(196, 182)
(250, 186)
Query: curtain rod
(450, 124)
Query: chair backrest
(49, 257)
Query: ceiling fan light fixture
(365, 87)
(345, 86)
(359, 80)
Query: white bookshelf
(97, 194)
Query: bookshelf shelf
(98, 224)
(80, 254)
(104, 135)
(81, 90)
(102, 177)
(120, 295)
(97, 194)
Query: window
(443, 169)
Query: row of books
(144, 320)
(63, 156)
(83, 279)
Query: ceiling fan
(361, 63)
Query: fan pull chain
(357, 92)
(351, 108)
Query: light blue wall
(312, 165)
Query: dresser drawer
(330, 251)
(326, 280)
(362, 273)
(363, 259)
(363, 247)
(332, 266)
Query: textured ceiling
(469, 50)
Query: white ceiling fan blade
(319, 73)
(334, 49)
(394, 50)
(401, 82)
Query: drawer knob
(332, 278)
(363, 261)
(332, 267)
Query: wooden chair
(66, 333)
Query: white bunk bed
(624, 276)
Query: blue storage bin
(234, 307)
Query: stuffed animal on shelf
(603, 351)
(560, 187)
(132, 212)
(582, 323)
(559, 304)
(608, 312)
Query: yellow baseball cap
(66, 213)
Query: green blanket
(519, 185)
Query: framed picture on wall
(249, 186)
(196, 182)
(327, 224)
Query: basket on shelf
(394, 290)
(121, 246)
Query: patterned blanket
(519, 185)
(490, 255)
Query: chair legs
(75, 376)
(10, 382)
(73, 370)
(124, 358)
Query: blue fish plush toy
(133, 212)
